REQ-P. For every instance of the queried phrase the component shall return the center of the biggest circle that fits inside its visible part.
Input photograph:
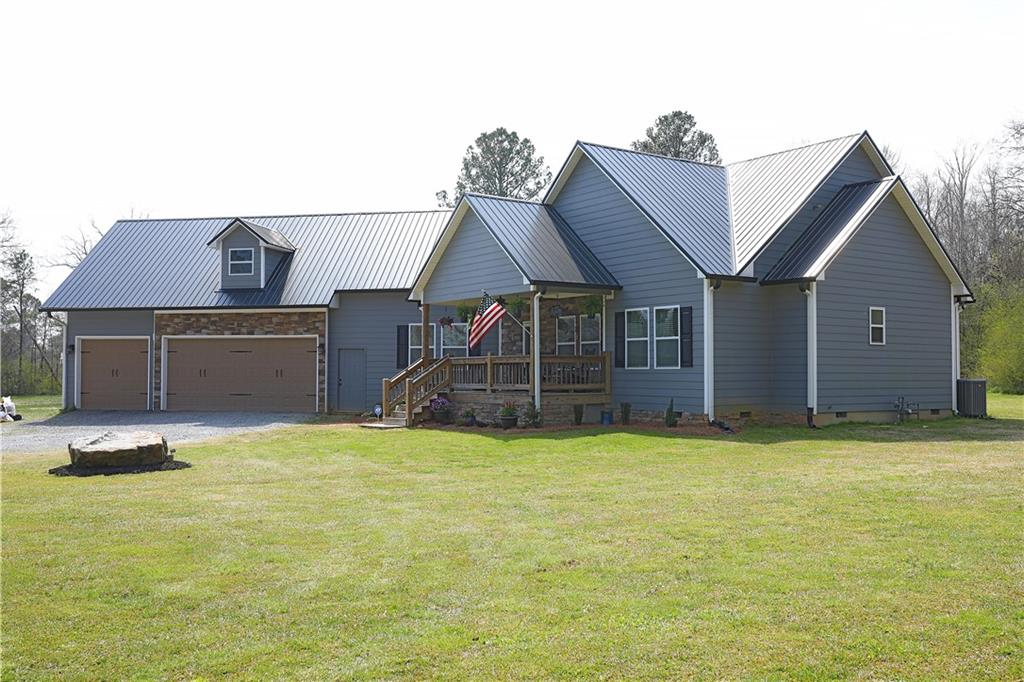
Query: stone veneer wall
(280, 323)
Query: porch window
(416, 341)
(876, 326)
(455, 340)
(590, 334)
(524, 334)
(565, 335)
(666, 337)
(638, 331)
(240, 261)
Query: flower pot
(508, 422)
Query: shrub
(626, 409)
(670, 413)
(531, 415)
(577, 414)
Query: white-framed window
(876, 326)
(241, 262)
(565, 335)
(666, 337)
(638, 338)
(590, 334)
(416, 341)
(455, 339)
(524, 331)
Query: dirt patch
(72, 470)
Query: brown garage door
(114, 374)
(242, 373)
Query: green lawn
(326, 551)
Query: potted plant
(468, 417)
(441, 407)
(591, 306)
(464, 312)
(517, 306)
(508, 415)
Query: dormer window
(241, 261)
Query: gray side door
(351, 379)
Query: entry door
(351, 379)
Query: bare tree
(75, 247)
(8, 236)
(894, 157)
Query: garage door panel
(114, 374)
(243, 373)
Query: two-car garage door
(274, 374)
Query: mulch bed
(680, 430)
(70, 470)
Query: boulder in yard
(134, 448)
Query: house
(805, 284)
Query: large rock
(119, 450)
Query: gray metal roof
(768, 190)
(686, 200)
(826, 235)
(540, 242)
(166, 263)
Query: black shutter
(686, 336)
(620, 339)
(402, 356)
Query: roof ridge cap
(793, 149)
(282, 215)
(657, 156)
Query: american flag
(487, 315)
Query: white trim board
(316, 369)
(93, 337)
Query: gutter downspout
(709, 347)
(810, 290)
(535, 334)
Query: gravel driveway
(56, 432)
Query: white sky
(182, 108)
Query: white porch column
(535, 333)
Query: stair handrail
(436, 377)
(388, 403)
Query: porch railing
(434, 378)
(393, 389)
(514, 373)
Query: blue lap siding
(886, 264)
(652, 273)
(104, 323)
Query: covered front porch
(564, 364)
(550, 342)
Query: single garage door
(114, 374)
(273, 374)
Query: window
(240, 262)
(565, 335)
(455, 340)
(416, 341)
(876, 324)
(590, 334)
(666, 337)
(524, 331)
(638, 322)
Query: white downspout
(535, 330)
(812, 347)
(954, 323)
(709, 349)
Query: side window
(565, 335)
(416, 341)
(455, 340)
(666, 337)
(638, 332)
(876, 326)
(590, 334)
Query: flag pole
(508, 314)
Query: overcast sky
(181, 109)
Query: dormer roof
(269, 237)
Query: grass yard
(35, 407)
(326, 551)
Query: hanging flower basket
(446, 321)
